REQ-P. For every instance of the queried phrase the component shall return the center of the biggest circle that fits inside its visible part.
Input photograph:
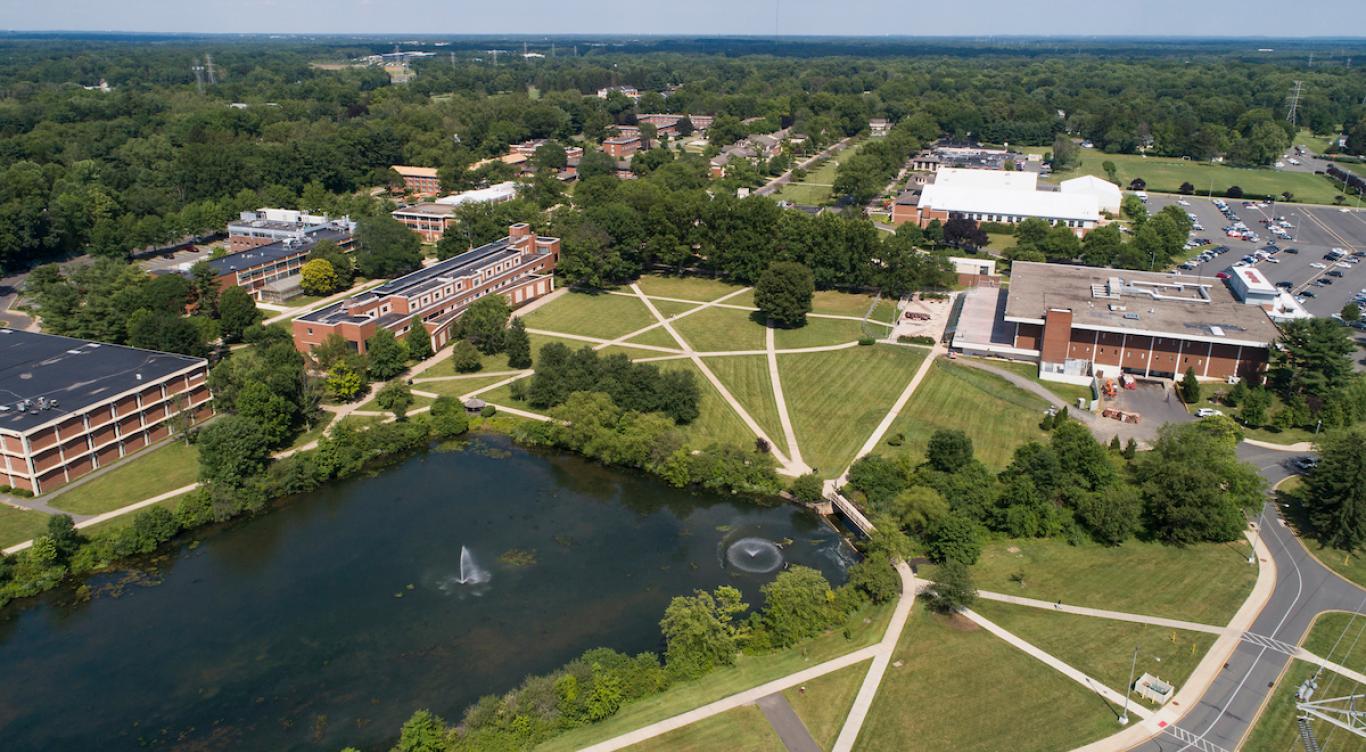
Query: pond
(328, 621)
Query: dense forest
(153, 159)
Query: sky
(1270, 18)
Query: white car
(1343, 264)
(1317, 265)
(1272, 260)
(1183, 202)
(1207, 412)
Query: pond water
(328, 621)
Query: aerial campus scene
(713, 376)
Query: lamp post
(1133, 665)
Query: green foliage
(342, 266)
(948, 450)
(952, 589)
(417, 343)
(386, 247)
(784, 291)
(1335, 492)
(875, 577)
(798, 605)
(465, 357)
(1313, 357)
(237, 312)
(517, 345)
(484, 322)
(701, 631)
(385, 355)
(448, 417)
(231, 449)
(168, 332)
(396, 397)
(953, 537)
(272, 413)
(423, 732)
(807, 488)
(1194, 486)
(318, 277)
(344, 382)
(878, 478)
(640, 387)
(1190, 387)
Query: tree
(784, 291)
(1351, 312)
(1335, 492)
(326, 250)
(550, 156)
(385, 355)
(167, 332)
(204, 281)
(1194, 486)
(424, 731)
(484, 323)
(272, 413)
(1187, 188)
(1111, 172)
(1111, 515)
(1190, 387)
(952, 589)
(417, 342)
(517, 345)
(66, 539)
(237, 312)
(448, 417)
(876, 577)
(1065, 152)
(700, 631)
(318, 277)
(396, 397)
(344, 381)
(953, 537)
(386, 247)
(465, 358)
(962, 232)
(879, 478)
(949, 450)
(232, 450)
(595, 163)
(1314, 357)
(798, 604)
(807, 488)
(1255, 405)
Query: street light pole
(1133, 665)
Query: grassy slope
(688, 288)
(19, 525)
(746, 376)
(1103, 648)
(1203, 583)
(143, 476)
(995, 414)
(837, 398)
(825, 702)
(602, 315)
(865, 628)
(1167, 174)
(851, 304)
(717, 421)
(744, 729)
(923, 703)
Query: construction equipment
(1109, 390)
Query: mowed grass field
(824, 702)
(19, 525)
(822, 332)
(1103, 648)
(946, 671)
(746, 376)
(744, 729)
(1068, 392)
(1276, 729)
(1203, 583)
(997, 415)
(144, 475)
(852, 304)
(837, 398)
(701, 289)
(1165, 174)
(863, 627)
(602, 315)
(720, 329)
(717, 422)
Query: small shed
(1153, 689)
(475, 405)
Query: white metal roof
(1003, 180)
(1012, 203)
(498, 192)
(1107, 193)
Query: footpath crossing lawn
(149, 473)
(746, 376)
(19, 525)
(1103, 648)
(1068, 392)
(824, 702)
(864, 627)
(700, 289)
(721, 329)
(997, 415)
(1203, 583)
(717, 422)
(852, 304)
(821, 332)
(1166, 174)
(601, 315)
(837, 398)
(744, 729)
(1276, 730)
(658, 337)
(955, 686)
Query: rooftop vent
(1131, 316)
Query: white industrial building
(1107, 194)
(493, 194)
(1005, 196)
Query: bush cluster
(637, 387)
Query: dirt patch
(1013, 550)
(957, 622)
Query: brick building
(70, 406)
(253, 229)
(1077, 321)
(260, 269)
(427, 219)
(621, 147)
(520, 267)
(420, 180)
(1003, 196)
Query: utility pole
(1293, 102)
(198, 75)
(208, 68)
(1133, 666)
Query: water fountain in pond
(470, 573)
(754, 555)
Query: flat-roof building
(1004, 196)
(257, 267)
(1077, 320)
(621, 147)
(420, 180)
(519, 267)
(253, 229)
(70, 406)
(428, 219)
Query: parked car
(1334, 273)
(1306, 463)
(1285, 284)
(1207, 412)
(1317, 265)
(1222, 275)
(1292, 251)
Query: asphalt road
(9, 294)
(1304, 588)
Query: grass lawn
(1203, 583)
(1350, 564)
(19, 525)
(688, 288)
(602, 315)
(418, 401)
(124, 520)
(672, 308)
(720, 329)
(1276, 730)
(1067, 392)
(658, 337)
(940, 662)
(1316, 144)
(313, 434)
(144, 475)
(1210, 397)
(717, 422)
(998, 242)
(865, 628)
(820, 332)
(1103, 648)
(997, 415)
(805, 192)
(851, 304)
(746, 376)
(826, 701)
(837, 398)
(456, 387)
(1165, 174)
(744, 729)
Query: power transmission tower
(1343, 712)
(208, 68)
(1293, 102)
(198, 75)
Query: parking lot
(1316, 230)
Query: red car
(1222, 275)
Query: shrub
(808, 488)
(865, 340)
(919, 339)
(488, 411)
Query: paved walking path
(784, 720)
(105, 517)
(793, 450)
(774, 185)
(751, 309)
(1056, 664)
(886, 423)
(1300, 446)
(1101, 613)
(882, 656)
